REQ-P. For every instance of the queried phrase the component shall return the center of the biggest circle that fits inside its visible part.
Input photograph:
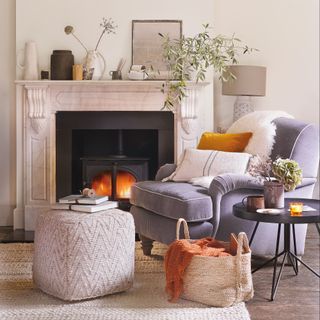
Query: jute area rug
(147, 300)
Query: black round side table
(239, 210)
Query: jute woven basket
(218, 281)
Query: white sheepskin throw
(262, 128)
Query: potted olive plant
(189, 58)
(287, 175)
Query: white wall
(44, 22)
(287, 34)
(7, 111)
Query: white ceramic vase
(95, 60)
(30, 65)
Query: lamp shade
(250, 81)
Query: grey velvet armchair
(156, 206)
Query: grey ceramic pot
(61, 65)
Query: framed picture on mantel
(147, 44)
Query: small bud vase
(95, 62)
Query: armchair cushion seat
(173, 199)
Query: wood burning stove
(114, 175)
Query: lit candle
(296, 208)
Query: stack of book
(85, 204)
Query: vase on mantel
(273, 194)
(94, 65)
(30, 66)
(61, 63)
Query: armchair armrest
(165, 171)
(306, 182)
(225, 183)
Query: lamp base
(242, 106)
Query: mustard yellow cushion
(230, 142)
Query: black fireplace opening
(109, 151)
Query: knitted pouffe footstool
(81, 256)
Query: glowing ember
(102, 184)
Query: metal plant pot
(273, 194)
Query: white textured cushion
(202, 181)
(198, 163)
(262, 128)
(80, 256)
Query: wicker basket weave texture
(219, 281)
(79, 256)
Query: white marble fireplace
(37, 103)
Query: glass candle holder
(296, 208)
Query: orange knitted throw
(179, 256)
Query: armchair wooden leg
(146, 244)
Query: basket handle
(243, 243)
(185, 229)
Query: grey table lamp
(250, 81)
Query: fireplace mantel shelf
(133, 83)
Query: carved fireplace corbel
(36, 102)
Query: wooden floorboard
(297, 296)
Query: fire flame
(124, 182)
(102, 184)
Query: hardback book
(70, 199)
(78, 198)
(94, 200)
(90, 208)
(60, 206)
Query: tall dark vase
(61, 65)
(273, 194)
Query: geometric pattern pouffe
(81, 256)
